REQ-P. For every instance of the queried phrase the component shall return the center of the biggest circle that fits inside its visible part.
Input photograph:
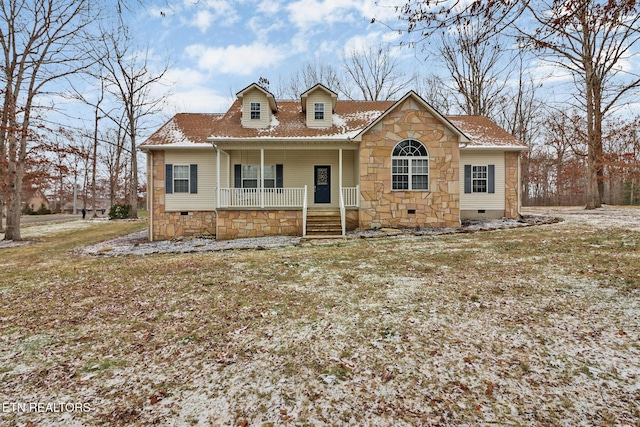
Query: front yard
(528, 326)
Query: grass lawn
(529, 326)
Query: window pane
(319, 110)
(420, 166)
(181, 186)
(400, 166)
(269, 183)
(420, 182)
(400, 182)
(479, 172)
(479, 186)
(410, 148)
(249, 171)
(249, 183)
(181, 171)
(269, 172)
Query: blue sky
(217, 47)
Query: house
(36, 201)
(319, 164)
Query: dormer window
(318, 106)
(255, 111)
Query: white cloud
(197, 100)
(203, 20)
(192, 91)
(269, 7)
(305, 13)
(239, 60)
(220, 11)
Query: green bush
(43, 210)
(120, 212)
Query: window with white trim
(318, 109)
(180, 178)
(479, 179)
(248, 176)
(410, 166)
(255, 111)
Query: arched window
(410, 166)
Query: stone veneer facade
(167, 225)
(382, 207)
(235, 224)
(511, 190)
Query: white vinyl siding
(298, 168)
(319, 97)
(204, 199)
(480, 201)
(253, 97)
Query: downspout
(151, 194)
(217, 196)
(519, 188)
(459, 210)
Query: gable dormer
(318, 104)
(258, 106)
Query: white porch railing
(351, 196)
(262, 197)
(304, 212)
(343, 216)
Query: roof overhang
(494, 148)
(198, 146)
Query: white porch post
(340, 169)
(228, 170)
(262, 178)
(218, 178)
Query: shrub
(120, 212)
(43, 210)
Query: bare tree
(311, 74)
(131, 80)
(39, 41)
(435, 91)
(376, 73)
(114, 157)
(479, 66)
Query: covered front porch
(278, 189)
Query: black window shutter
(193, 179)
(168, 178)
(279, 176)
(492, 179)
(237, 176)
(467, 178)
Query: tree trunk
(15, 177)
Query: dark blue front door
(322, 183)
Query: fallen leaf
(489, 390)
